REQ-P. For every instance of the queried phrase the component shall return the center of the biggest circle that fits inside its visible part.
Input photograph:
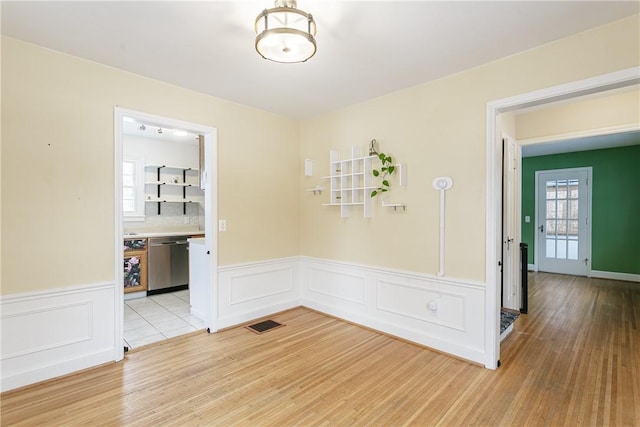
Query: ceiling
(596, 142)
(366, 49)
(137, 128)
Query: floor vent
(265, 326)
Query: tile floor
(158, 317)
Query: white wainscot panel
(256, 286)
(441, 308)
(52, 333)
(337, 285)
(398, 303)
(250, 291)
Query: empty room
(320, 213)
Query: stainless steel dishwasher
(168, 263)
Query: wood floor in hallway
(573, 360)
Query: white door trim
(589, 172)
(211, 209)
(618, 79)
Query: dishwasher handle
(173, 242)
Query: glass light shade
(285, 34)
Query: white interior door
(511, 226)
(563, 214)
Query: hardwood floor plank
(573, 360)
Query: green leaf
(373, 193)
(381, 156)
(389, 159)
(391, 169)
(383, 190)
(385, 182)
(383, 169)
(375, 173)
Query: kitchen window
(133, 190)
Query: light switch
(222, 225)
(527, 218)
(308, 167)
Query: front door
(563, 221)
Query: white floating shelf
(395, 206)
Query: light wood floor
(573, 360)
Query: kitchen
(163, 218)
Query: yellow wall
(618, 109)
(439, 128)
(57, 162)
(57, 168)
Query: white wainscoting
(253, 290)
(51, 333)
(439, 312)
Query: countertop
(142, 234)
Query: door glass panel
(551, 190)
(573, 209)
(572, 248)
(562, 228)
(551, 209)
(573, 229)
(551, 248)
(561, 211)
(562, 189)
(562, 219)
(562, 248)
(573, 188)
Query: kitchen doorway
(186, 194)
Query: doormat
(265, 326)
(506, 319)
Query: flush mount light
(285, 33)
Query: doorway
(206, 180)
(563, 227)
(494, 193)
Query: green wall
(615, 231)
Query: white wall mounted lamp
(442, 184)
(285, 33)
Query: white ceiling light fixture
(285, 33)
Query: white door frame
(587, 242)
(210, 210)
(618, 79)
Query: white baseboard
(51, 333)
(532, 267)
(252, 290)
(628, 277)
(442, 313)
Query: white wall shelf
(350, 182)
(395, 206)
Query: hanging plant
(386, 169)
